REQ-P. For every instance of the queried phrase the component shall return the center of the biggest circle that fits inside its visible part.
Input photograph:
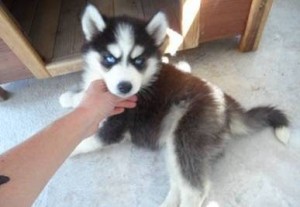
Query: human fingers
(132, 98)
(117, 110)
(98, 85)
(128, 103)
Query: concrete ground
(256, 171)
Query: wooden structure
(42, 38)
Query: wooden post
(15, 40)
(190, 22)
(3, 94)
(65, 66)
(258, 15)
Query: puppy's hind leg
(193, 196)
(190, 169)
(173, 197)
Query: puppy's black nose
(124, 87)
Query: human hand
(99, 103)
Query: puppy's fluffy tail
(260, 117)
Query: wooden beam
(16, 41)
(190, 22)
(258, 15)
(65, 66)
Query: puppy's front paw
(89, 144)
(66, 99)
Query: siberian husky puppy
(190, 116)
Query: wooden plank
(24, 12)
(255, 25)
(65, 66)
(69, 37)
(129, 7)
(19, 45)
(105, 7)
(44, 27)
(11, 68)
(79, 36)
(190, 22)
(222, 19)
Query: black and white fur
(191, 117)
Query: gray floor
(256, 171)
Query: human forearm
(31, 164)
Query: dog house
(43, 38)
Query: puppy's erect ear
(157, 27)
(92, 22)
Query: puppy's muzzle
(124, 87)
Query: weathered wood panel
(223, 18)
(69, 37)
(19, 45)
(129, 7)
(44, 27)
(11, 68)
(258, 15)
(24, 12)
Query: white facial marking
(119, 74)
(92, 59)
(137, 51)
(123, 71)
(124, 36)
(152, 68)
(93, 68)
(115, 50)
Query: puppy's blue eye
(109, 60)
(139, 62)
